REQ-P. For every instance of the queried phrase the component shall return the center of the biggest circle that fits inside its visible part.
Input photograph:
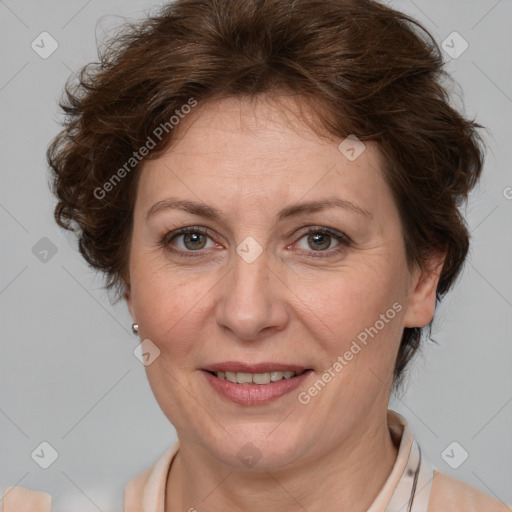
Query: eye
(193, 239)
(320, 239)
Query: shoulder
(454, 495)
(21, 499)
(134, 491)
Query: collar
(407, 488)
(409, 484)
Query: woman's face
(261, 289)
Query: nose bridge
(250, 302)
(249, 279)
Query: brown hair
(374, 71)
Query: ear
(422, 292)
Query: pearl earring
(135, 328)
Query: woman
(273, 188)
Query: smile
(255, 388)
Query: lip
(264, 367)
(255, 394)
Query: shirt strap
(412, 493)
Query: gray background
(68, 374)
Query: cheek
(356, 298)
(361, 316)
(169, 307)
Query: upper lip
(235, 366)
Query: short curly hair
(372, 71)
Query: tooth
(244, 378)
(231, 376)
(254, 378)
(261, 378)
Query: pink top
(412, 486)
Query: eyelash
(344, 241)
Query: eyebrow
(210, 212)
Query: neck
(347, 478)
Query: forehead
(261, 151)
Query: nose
(252, 301)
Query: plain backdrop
(68, 373)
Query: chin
(258, 446)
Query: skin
(249, 160)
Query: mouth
(254, 384)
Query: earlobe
(422, 298)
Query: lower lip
(255, 394)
